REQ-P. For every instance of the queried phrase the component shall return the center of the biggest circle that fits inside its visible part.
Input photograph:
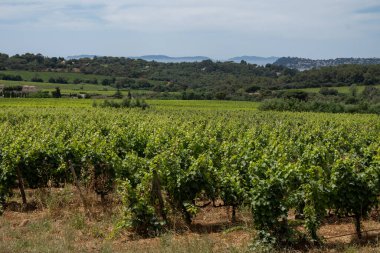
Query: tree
(326, 91)
(118, 94)
(252, 89)
(37, 79)
(106, 82)
(56, 93)
(220, 95)
(370, 93)
(354, 90)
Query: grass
(70, 76)
(203, 105)
(45, 102)
(67, 229)
(77, 88)
(62, 227)
(55, 236)
(98, 89)
(51, 86)
(28, 75)
(154, 104)
(59, 223)
(341, 89)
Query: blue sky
(216, 28)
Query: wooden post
(21, 186)
(233, 218)
(156, 193)
(78, 186)
(357, 226)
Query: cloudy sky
(214, 28)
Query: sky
(220, 29)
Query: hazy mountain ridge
(305, 64)
(289, 62)
(81, 56)
(168, 59)
(255, 59)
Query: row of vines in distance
(166, 162)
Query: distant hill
(210, 79)
(255, 59)
(167, 59)
(305, 64)
(77, 57)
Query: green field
(79, 88)
(99, 89)
(70, 76)
(28, 75)
(70, 87)
(63, 87)
(46, 102)
(155, 104)
(203, 105)
(151, 172)
(341, 89)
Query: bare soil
(55, 221)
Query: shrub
(37, 79)
(125, 103)
(328, 92)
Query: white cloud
(296, 21)
(324, 18)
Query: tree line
(199, 80)
(327, 100)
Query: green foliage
(59, 79)
(11, 92)
(139, 211)
(315, 197)
(354, 187)
(118, 94)
(328, 91)
(319, 105)
(299, 95)
(37, 79)
(270, 195)
(252, 89)
(8, 77)
(125, 103)
(56, 93)
(39, 94)
(354, 90)
(165, 162)
(197, 80)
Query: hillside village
(306, 64)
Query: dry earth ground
(55, 222)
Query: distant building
(29, 89)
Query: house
(29, 89)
